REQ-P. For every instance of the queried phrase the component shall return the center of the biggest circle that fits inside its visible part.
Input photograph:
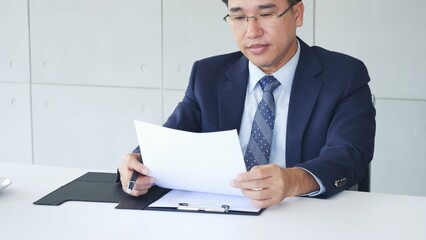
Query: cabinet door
(171, 99)
(15, 123)
(399, 164)
(96, 42)
(14, 44)
(388, 36)
(90, 127)
(192, 29)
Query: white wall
(74, 74)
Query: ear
(298, 11)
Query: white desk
(349, 215)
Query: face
(268, 46)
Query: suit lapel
(304, 93)
(231, 95)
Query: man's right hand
(129, 164)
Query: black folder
(103, 187)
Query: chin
(260, 63)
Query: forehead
(247, 5)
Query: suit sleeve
(349, 145)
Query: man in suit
(323, 135)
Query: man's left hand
(269, 185)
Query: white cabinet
(96, 42)
(89, 127)
(15, 123)
(14, 43)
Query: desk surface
(348, 215)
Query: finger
(144, 181)
(125, 165)
(137, 193)
(141, 186)
(265, 202)
(270, 198)
(263, 198)
(132, 162)
(129, 165)
(257, 172)
(256, 185)
(259, 195)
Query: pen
(133, 178)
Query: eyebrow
(267, 6)
(260, 7)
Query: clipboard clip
(187, 207)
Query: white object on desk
(198, 162)
(4, 182)
(175, 199)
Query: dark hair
(289, 1)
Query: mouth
(258, 49)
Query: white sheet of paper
(201, 162)
(205, 201)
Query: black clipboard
(103, 187)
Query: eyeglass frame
(257, 15)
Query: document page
(204, 201)
(201, 162)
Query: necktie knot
(269, 83)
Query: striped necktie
(258, 149)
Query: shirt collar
(284, 75)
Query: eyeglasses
(265, 19)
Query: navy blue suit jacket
(331, 119)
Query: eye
(266, 15)
(238, 18)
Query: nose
(254, 29)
